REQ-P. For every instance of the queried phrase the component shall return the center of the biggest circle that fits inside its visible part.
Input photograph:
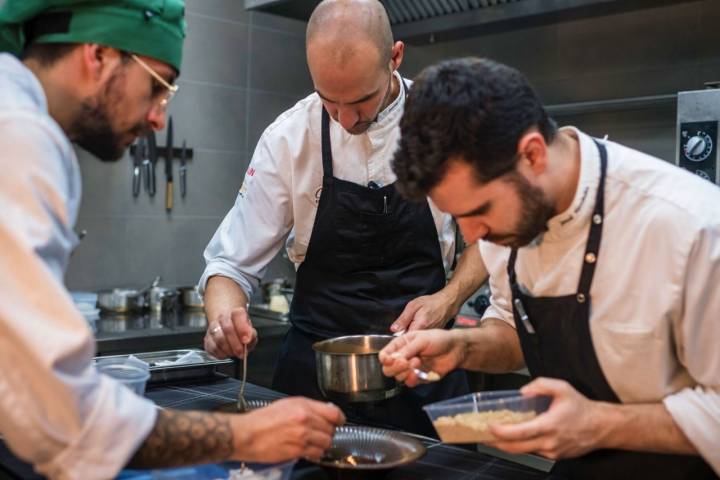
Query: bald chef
(368, 261)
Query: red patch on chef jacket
(251, 172)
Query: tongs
(242, 404)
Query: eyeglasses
(171, 89)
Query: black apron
(370, 253)
(556, 342)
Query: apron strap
(593, 243)
(511, 265)
(326, 150)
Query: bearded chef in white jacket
(604, 269)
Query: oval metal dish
(387, 449)
(231, 407)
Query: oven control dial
(703, 174)
(698, 146)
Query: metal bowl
(190, 298)
(349, 370)
(366, 449)
(120, 300)
(162, 298)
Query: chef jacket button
(581, 298)
(590, 257)
(597, 219)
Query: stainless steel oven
(698, 114)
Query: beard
(535, 211)
(362, 126)
(93, 130)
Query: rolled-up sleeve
(252, 233)
(495, 259)
(56, 411)
(697, 410)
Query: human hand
(426, 312)
(569, 428)
(229, 334)
(434, 350)
(286, 429)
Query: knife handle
(136, 181)
(152, 180)
(146, 174)
(169, 196)
(183, 183)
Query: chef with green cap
(97, 73)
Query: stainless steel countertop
(151, 331)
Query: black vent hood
(428, 21)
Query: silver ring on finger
(216, 329)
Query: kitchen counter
(152, 332)
(446, 462)
(148, 332)
(442, 462)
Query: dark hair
(470, 108)
(47, 53)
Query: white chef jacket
(279, 196)
(655, 309)
(56, 410)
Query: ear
(398, 51)
(99, 62)
(532, 151)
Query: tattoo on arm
(183, 438)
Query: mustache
(142, 130)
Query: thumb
(241, 321)
(543, 386)
(406, 317)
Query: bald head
(339, 30)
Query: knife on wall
(146, 165)
(152, 156)
(183, 170)
(168, 167)
(137, 161)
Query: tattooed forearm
(185, 438)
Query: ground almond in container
(472, 427)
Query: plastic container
(89, 298)
(85, 302)
(133, 373)
(221, 471)
(465, 419)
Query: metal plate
(371, 449)
(165, 373)
(231, 407)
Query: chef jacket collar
(577, 215)
(388, 116)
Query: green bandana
(152, 28)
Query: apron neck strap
(593, 243)
(592, 249)
(325, 137)
(326, 149)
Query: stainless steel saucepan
(190, 298)
(121, 300)
(348, 369)
(162, 298)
